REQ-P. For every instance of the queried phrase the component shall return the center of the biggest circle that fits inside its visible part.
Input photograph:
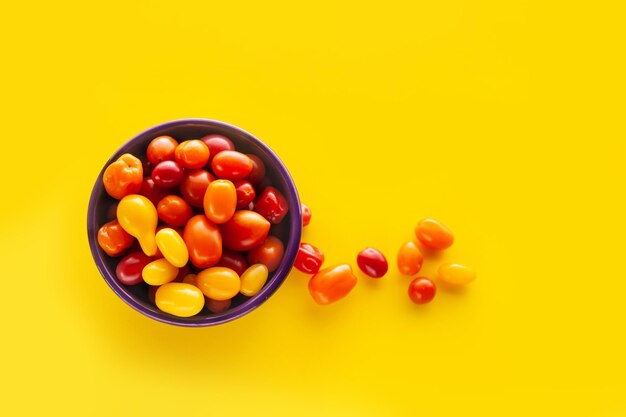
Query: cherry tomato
(309, 259)
(192, 154)
(253, 280)
(244, 231)
(174, 211)
(272, 205)
(306, 215)
(113, 239)
(455, 274)
(161, 149)
(159, 272)
(231, 165)
(332, 284)
(269, 253)
(372, 262)
(216, 144)
(220, 201)
(422, 290)
(245, 193)
(434, 235)
(179, 299)
(194, 185)
(217, 306)
(152, 192)
(123, 177)
(167, 174)
(178, 230)
(138, 216)
(258, 169)
(147, 166)
(182, 272)
(233, 260)
(172, 246)
(410, 259)
(218, 283)
(128, 271)
(203, 240)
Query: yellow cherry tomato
(253, 279)
(455, 274)
(138, 216)
(220, 201)
(179, 299)
(159, 272)
(218, 283)
(190, 279)
(172, 246)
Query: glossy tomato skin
(309, 258)
(167, 174)
(216, 144)
(272, 205)
(231, 165)
(410, 259)
(123, 177)
(161, 149)
(194, 185)
(434, 235)
(269, 253)
(244, 231)
(113, 239)
(153, 192)
(128, 270)
(216, 306)
(258, 169)
(306, 215)
(192, 154)
(220, 201)
(245, 193)
(372, 262)
(174, 211)
(422, 290)
(203, 240)
(233, 260)
(332, 284)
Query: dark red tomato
(244, 231)
(182, 273)
(161, 149)
(231, 165)
(148, 166)
(128, 271)
(309, 258)
(217, 144)
(203, 240)
(269, 253)
(167, 174)
(245, 193)
(194, 185)
(113, 239)
(372, 262)
(174, 211)
(152, 191)
(258, 169)
(233, 260)
(422, 290)
(216, 306)
(306, 215)
(192, 154)
(272, 205)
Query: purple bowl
(102, 209)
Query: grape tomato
(244, 231)
(220, 201)
(410, 259)
(434, 235)
(231, 165)
(332, 284)
(372, 262)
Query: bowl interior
(102, 208)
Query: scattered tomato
(332, 284)
(422, 290)
(306, 215)
(309, 258)
(372, 262)
(434, 235)
(410, 259)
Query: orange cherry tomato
(245, 230)
(192, 154)
(161, 149)
(269, 253)
(332, 284)
(113, 239)
(174, 211)
(194, 185)
(220, 201)
(203, 240)
(231, 165)
(410, 259)
(434, 235)
(123, 177)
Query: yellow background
(503, 119)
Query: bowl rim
(291, 249)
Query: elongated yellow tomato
(138, 216)
(218, 283)
(455, 274)
(172, 246)
(253, 279)
(159, 272)
(220, 201)
(179, 299)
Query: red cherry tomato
(269, 253)
(217, 144)
(128, 271)
(113, 239)
(161, 149)
(309, 258)
(422, 290)
(258, 169)
(194, 185)
(272, 205)
(148, 167)
(434, 235)
(152, 192)
(233, 260)
(167, 174)
(192, 154)
(203, 240)
(372, 262)
(123, 177)
(231, 165)
(306, 215)
(410, 259)
(332, 284)
(244, 231)
(216, 306)
(245, 193)
(174, 211)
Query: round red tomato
(203, 240)
(216, 144)
(161, 149)
(152, 192)
(174, 211)
(194, 185)
(269, 253)
(233, 260)
(128, 271)
(244, 231)
(167, 174)
(231, 165)
(258, 169)
(245, 193)
(422, 290)
(192, 154)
